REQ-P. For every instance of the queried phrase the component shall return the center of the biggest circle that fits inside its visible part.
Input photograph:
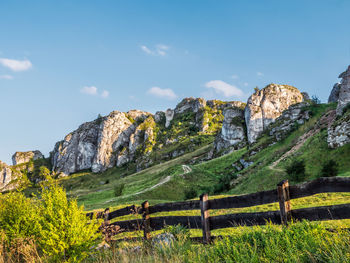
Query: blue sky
(64, 62)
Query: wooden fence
(283, 195)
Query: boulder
(169, 116)
(24, 157)
(344, 91)
(266, 105)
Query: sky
(64, 62)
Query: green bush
(329, 169)
(65, 230)
(59, 228)
(296, 170)
(118, 189)
(191, 193)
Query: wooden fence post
(106, 222)
(204, 204)
(146, 220)
(284, 201)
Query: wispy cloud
(162, 93)
(105, 94)
(93, 91)
(223, 88)
(234, 76)
(159, 50)
(259, 74)
(6, 77)
(16, 65)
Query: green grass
(300, 242)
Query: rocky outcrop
(339, 135)
(5, 177)
(169, 116)
(233, 131)
(91, 146)
(344, 91)
(266, 105)
(289, 120)
(334, 96)
(24, 157)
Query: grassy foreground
(299, 242)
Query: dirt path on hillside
(301, 140)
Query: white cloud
(93, 91)
(16, 65)
(235, 76)
(224, 88)
(146, 50)
(6, 77)
(162, 93)
(260, 74)
(105, 94)
(159, 50)
(90, 90)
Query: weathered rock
(334, 96)
(190, 104)
(265, 105)
(169, 116)
(306, 96)
(24, 157)
(91, 146)
(163, 240)
(233, 132)
(6, 177)
(159, 117)
(344, 91)
(288, 121)
(339, 135)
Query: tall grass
(299, 242)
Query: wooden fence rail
(283, 195)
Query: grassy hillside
(169, 182)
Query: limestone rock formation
(344, 91)
(91, 145)
(169, 116)
(264, 106)
(287, 122)
(5, 177)
(339, 134)
(233, 131)
(334, 96)
(24, 157)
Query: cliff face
(339, 131)
(122, 138)
(5, 177)
(265, 105)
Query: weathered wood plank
(321, 213)
(178, 206)
(320, 185)
(122, 212)
(128, 225)
(239, 201)
(193, 222)
(246, 219)
(284, 201)
(204, 204)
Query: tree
(315, 100)
(329, 169)
(296, 170)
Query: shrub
(296, 170)
(18, 216)
(118, 189)
(190, 193)
(54, 225)
(65, 230)
(178, 231)
(329, 169)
